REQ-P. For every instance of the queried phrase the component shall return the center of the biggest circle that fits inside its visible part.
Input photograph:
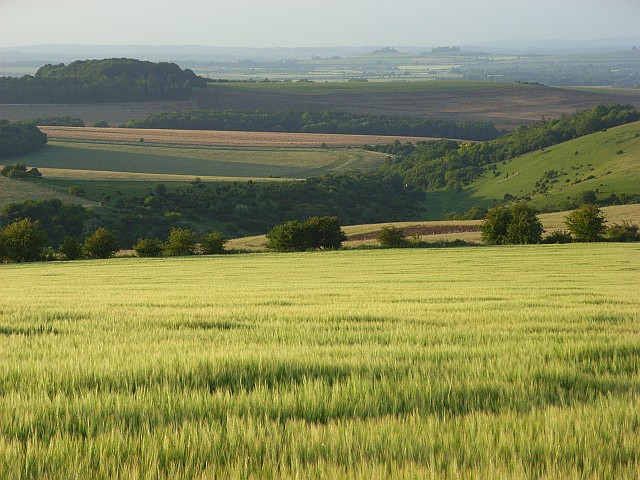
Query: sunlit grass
(484, 362)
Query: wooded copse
(109, 80)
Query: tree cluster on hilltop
(444, 163)
(110, 80)
(317, 122)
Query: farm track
(220, 138)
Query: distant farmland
(221, 138)
(85, 152)
(505, 104)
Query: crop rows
(486, 362)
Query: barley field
(485, 362)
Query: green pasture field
(486, 362)
(19, 191)
(249, 162)
(611, 158)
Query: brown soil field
(220, 138)
(505, 105)
(420, 230)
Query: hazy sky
(287, 23)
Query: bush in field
(326, 232)
(212, 243)
(524, 226)
(101, 244)
(559, 236)
(19, 171)
(22, 241)
(70, 248)
(586, 223)
(181, 241)
(516, 224)
(149, 247)
(292, 236)
(316, 232)
(622, 232)
(391, 236)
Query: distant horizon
(292, 24)
(522, 41)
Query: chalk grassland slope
(19, 191)
(245, 162)
(513, 362)
(444, 231)
(506, 105)
(604, 162)
(221, 138)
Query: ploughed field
(485, 362)
(507, 105)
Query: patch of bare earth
(420, 230)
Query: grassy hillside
(19, 191)
(605, 163)
(457, 363)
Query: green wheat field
(485, 362)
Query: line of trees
(109, 80)
(317, 122)
(518, 224)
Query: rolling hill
(592, 167)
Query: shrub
(70, 248)
(19, 171)
(524, 226)
(22, 241)
(101, 124)
(559, 236)
(148, 247)
(181, 241)
(101, 244)
(292, 236)
(316, 232)
(326, 232)
(586, 223)
(517, 224)
(391, 236)
(212, 243)
(622, 232)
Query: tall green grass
(488, 362)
